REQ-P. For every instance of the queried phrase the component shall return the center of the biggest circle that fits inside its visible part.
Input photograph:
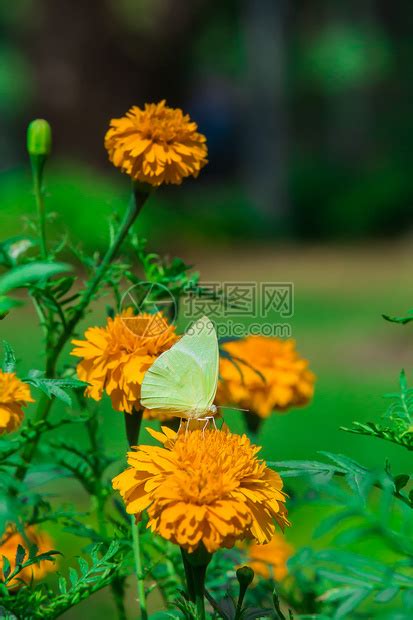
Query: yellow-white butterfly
(183, 380)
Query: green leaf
(372, 429)
(6, 304)
(20, 554)
(27, 274)
(9, 361)
(387, 595)
(62, 585)
(6, 569)
(54, 387)
(402, 320)
(73, 576)
(83, 565)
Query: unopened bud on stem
(39, 138)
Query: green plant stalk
(133, 423)
(188, 576)
(138, 200)
(139, 570)
(199, 573)
(37, 173)
(98, 504)
(238, 609)
(195, 565)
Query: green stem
(138, 565)
(136, 203)
(37, 173)
(199, 573)
(138, 199)
(99, 502)
(188, 576)
(133, 423)
(239, 604)
(195, 565)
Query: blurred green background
(306, 108)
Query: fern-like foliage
(41, 602)
(397, 425)
(346, 580)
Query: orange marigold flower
(14, 395)
(270, 560)
(268, 375)
(116, 357)
(203, 487)
(8, 547)
(156, 145)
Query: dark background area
(306, 107)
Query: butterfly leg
(187, 427)
(205, 425)
(206, 420)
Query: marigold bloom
(270, 560)
(203, 486)
(8, 547)
(268, 375)
(14, 395)
(156, 145)
(116, 357)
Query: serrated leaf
(54, 387)
(83, 565)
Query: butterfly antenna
(230, 407)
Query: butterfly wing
(183, 380)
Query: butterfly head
(213, 409)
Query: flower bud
(245, 576)
(39, 138)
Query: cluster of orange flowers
(204, 487)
